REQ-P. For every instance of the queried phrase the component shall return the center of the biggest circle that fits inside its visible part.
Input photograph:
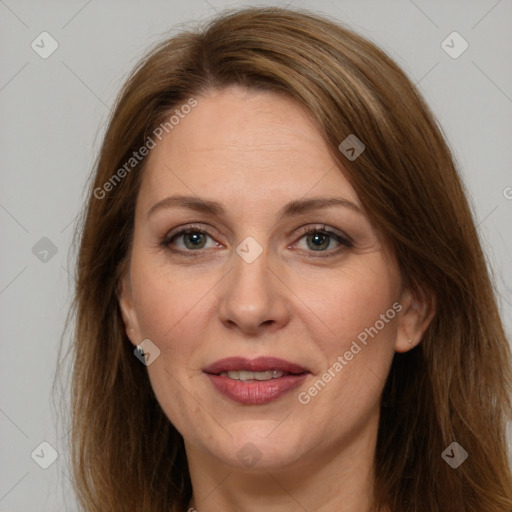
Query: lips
(255, 381)
(260, 364)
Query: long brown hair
(453, 387)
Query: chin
(255, 447)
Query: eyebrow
(215, 208)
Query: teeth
(246, 375)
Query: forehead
(240, 144)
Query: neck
(338, 479)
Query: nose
(253, 296)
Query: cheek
(169, 312)
(343, 304)
(331, 310)
(352, 318)
(165, 298)
(336, 306)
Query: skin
(253, 152)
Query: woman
(282, 302)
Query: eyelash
(345, 242)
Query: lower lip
(256, 392)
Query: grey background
(53, 113)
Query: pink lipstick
(255, 381)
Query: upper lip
(259, 364)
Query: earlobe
(418, 310)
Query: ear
(418, 310)
(126, 305)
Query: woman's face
(320, 315)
